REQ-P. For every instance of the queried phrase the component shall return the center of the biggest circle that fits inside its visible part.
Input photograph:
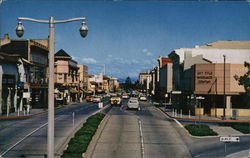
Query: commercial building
(106, 83)
(34, 63)
(144, 80)
(9, 79)
(83, 80)
(196, 69)
(165, 78)
(208, 81)
(113, 84)
(66, 78)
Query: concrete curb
(95, 138)
(200, 137)
(64, 145)
(31, 115)
(206, 120)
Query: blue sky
(128, 36)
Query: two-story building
(83, 80)
(66, 78)
(34, 56)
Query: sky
(127, 37)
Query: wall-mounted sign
(26, 95)
(204, 77)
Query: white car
(143, 98)
(133, 103)
(125, 96)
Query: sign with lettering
(26, 95)
(204, 77)
(230, 139)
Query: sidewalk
(242, 154)
(32, 112)
(183, 117)
(221, 130)
(23, 114)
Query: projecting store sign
(230, 139)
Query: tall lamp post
(224, 89)
(19, 31)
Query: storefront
(8, 93)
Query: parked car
(89, 98)
(97, 99)
(133, 103)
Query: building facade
(83, 80)
(34, 58)
(66, 78)
(188, 61)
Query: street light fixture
(19, 29)
(83, 32)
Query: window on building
(65, 77)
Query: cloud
(110, 56)
(75, 58)
(89, 60)
(145, 50)
(149, 54)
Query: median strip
(78, 144)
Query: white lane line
(2, 154)
(142, 141)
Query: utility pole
(224, 89)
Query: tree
(245, 79)
(128, 83)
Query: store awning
(176, 92)
(83, 91)
(73, 91)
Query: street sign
(230, 139)
(26, 95)
(100, 105)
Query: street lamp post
(83, 32)
(224, 89)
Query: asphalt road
(31, 133)
(148, 133)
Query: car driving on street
(133, 103)
(115, 100)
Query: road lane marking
(56, 118)
(2, 154)
(142, 141)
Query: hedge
(79, 144)
(200, 130)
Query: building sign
(26, 95)
(204, 77)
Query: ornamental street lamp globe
(83, 30)
(19, 29)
